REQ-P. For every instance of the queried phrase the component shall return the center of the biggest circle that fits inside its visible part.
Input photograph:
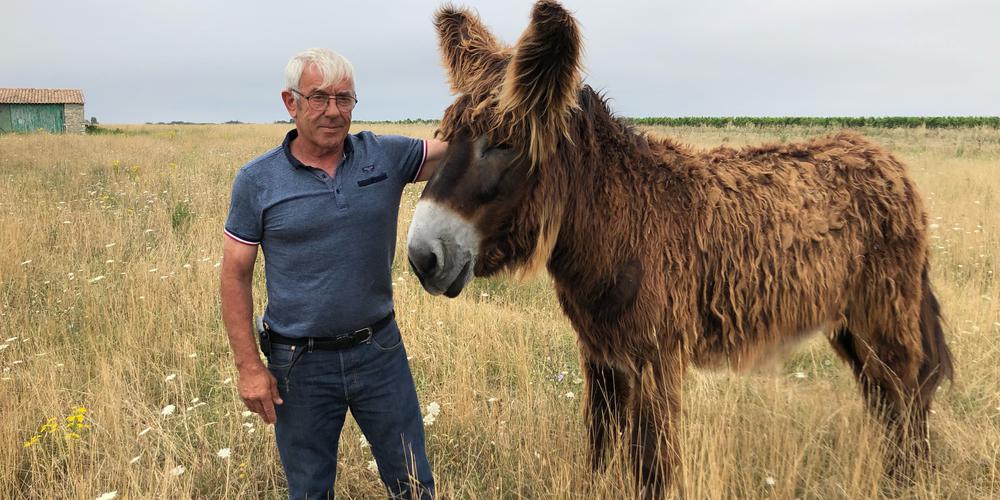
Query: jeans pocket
(281, 356)
(389, 339)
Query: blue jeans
(374, 382)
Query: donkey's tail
(937, 364)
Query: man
(323, 207)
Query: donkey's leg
(606, 393)
(886, 362)
(655, 443)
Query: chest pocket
(372, 178)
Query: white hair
(332, 66)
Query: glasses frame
(334, 97)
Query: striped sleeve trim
(240, 240)
(422, 162)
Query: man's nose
(332, 109)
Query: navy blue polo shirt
(328, 243)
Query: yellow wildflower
(33, 441)
(49, 427)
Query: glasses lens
(318, 101)
(346, 102)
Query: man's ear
(289, 99)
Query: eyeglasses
(318, 101)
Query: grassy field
(116, 374)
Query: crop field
(117, 377)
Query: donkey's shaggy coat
(665, 256)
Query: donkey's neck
(613, 181)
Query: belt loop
(310, 344)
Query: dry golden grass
(110, 250)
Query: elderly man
(323, 207)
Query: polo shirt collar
(286, 146)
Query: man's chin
(331, 137)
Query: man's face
(325, 128)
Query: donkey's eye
(503, 146)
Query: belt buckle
(366, 330)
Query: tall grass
(110, 249)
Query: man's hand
(259, 390)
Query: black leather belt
(333, 342)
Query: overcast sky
(204, 60)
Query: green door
(31, 117)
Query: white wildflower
(170, 377)
(770, 481)
(247, 414)
(224, 453)
(799, 375)
(108, 496)
(228, 380)
(193, 355)
(433, 410)
(178, 470)
(569, 395)
(168, 410)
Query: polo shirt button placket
(341, 202)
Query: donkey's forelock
(523, 95)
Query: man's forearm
(237, 315)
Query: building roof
(41, 96)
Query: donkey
(664, 256)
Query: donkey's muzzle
(439, 272)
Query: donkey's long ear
(474, 58)
(541, 83)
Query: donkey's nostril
(424, 263)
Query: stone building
(54, 110)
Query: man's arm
(257, 386)
(435, 157)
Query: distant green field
(835, 121)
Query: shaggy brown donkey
(663, 255)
